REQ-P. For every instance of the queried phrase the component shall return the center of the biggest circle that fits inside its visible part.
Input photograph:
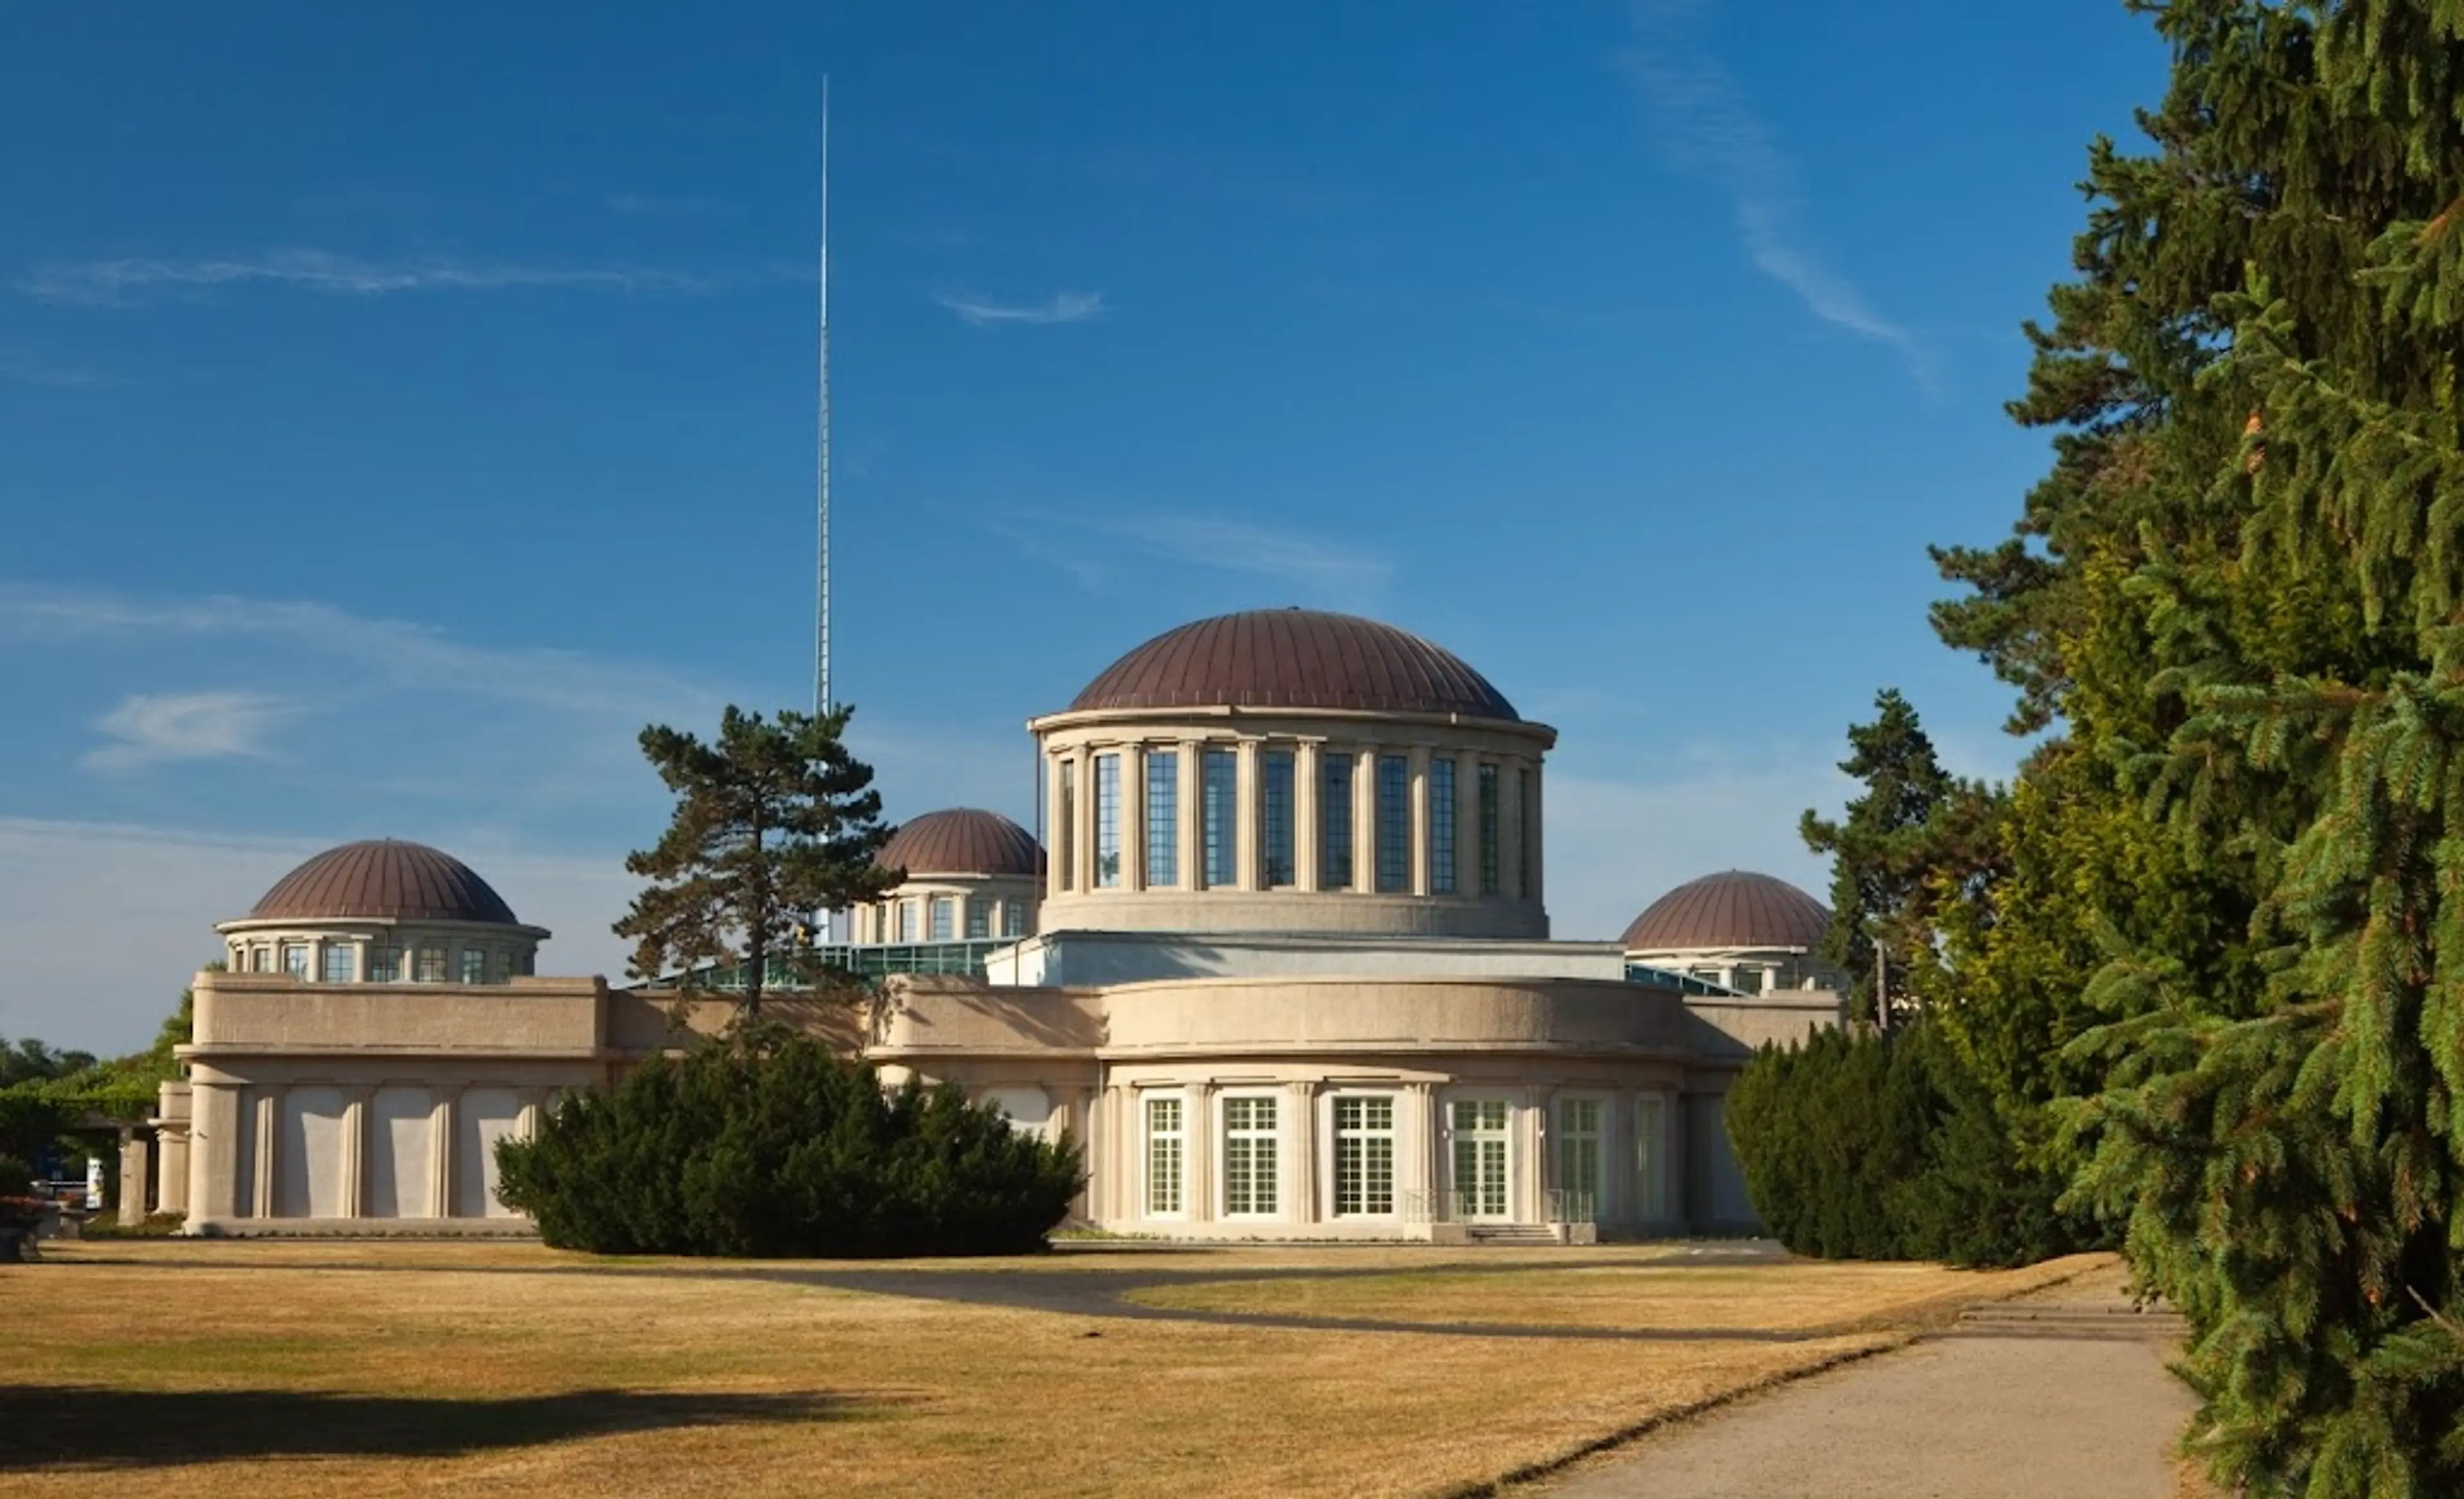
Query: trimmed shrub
(1864, 1147)
(779, 1148)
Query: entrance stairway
(1513, 1233)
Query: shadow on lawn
(85, 1426)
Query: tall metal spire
(823, 701)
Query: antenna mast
(823, 701)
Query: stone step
(2070, 1319)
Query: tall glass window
(295, 959)
(1335, 822)
(1164, 817)
(384, 964)
(1393, 823)
(1364, 1155)
(432, 965)
(1248, 1156)
(1164, 1157)
(1068, 828)
(1013, 918)
(1488, 830)
(1108, 820)
(906, 922)
(979, 918)
(1578, 1157)
(937, 920)
(1526, 849)
(1222, 828)
(1276, 792)
(1480, 1156)
(1441, 826)
(338, 962)
(474, 965)
(1650, 1158)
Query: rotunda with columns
(1289, 770)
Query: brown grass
(273, 1370)
(1638, 1297)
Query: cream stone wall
(1434, 895)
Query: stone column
(1534, 1139)
(1193, 813)
(1247, 818)
(217, 1167)
(1134, 817)
(1539, 825)
(1305, 814)
(265, 1175)
(1364, 819)
(1052, 830)
(1420, 812)
(1197, 1147)
(1424, 1172)
(1302, 1202)
(442, 1113)
(1085, 834)
(1509, 829)
(1467, 825)
(355, 1153)
(171, 1169)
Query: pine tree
(2240, 594)
(1879, 859)
(774, 823)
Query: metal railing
(1455, 1206)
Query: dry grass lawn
(275, 1370)
(1642, 1296)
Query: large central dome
(1294, 658)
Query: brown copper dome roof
(1734, 909)
(1294, 658)
(962, 841)
(384, 880)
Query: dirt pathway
(2060, 1395)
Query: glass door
(1479, 1157)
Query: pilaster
(1305, 815)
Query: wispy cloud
(118, 281)
(153, 729)
(654, 205)
(1709, 127)
(1063, 307)
(19, 367)
(397, 650)
(1318, 566)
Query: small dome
(1735, 909)
(1294, 658)
(962, 841)
(384, 879)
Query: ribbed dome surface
(1733, 909)
(384, 879)
(962, 841)
(1294, 658)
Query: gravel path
(2076, 1405)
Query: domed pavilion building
(1287, 974)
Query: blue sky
(400, 408)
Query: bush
(1858, 1146)
(776, 1148)
(16, 1177)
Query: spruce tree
(2240, 595)
(775, 823)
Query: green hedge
(780, 1148)
(1864, 1147)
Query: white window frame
(1391, 1133)
(1503, 1136)
(1148, 1138)
(1270, 1179)
(1561, 1139)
